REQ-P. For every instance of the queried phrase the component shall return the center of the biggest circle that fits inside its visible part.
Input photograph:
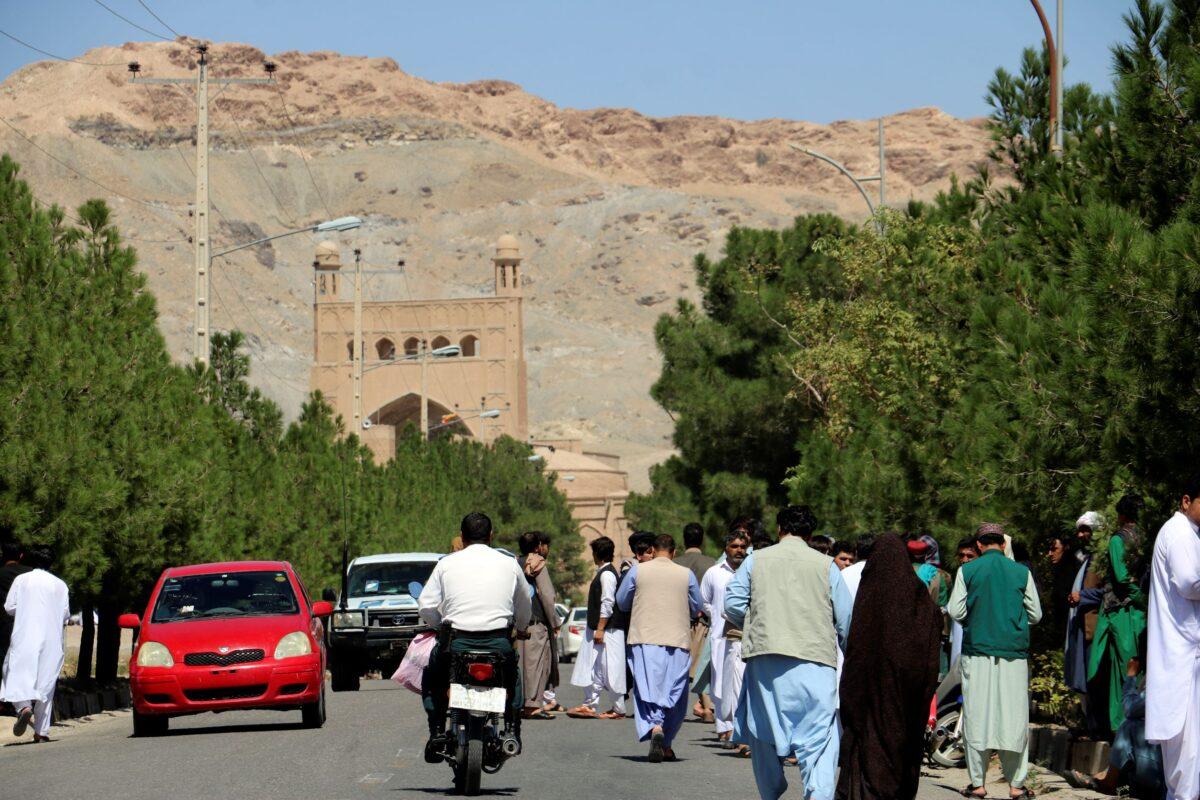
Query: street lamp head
(340, 224)
(491, 413)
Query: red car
(218, 637)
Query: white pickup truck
(373, 625)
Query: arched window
(440, 342)
(412, 346)
(470, 346)
(385, 349)
(350, 349)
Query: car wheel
(313, 714)
(149, 725)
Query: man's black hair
(990, 539)
(821, 543)
(863, 546)
(967, 543)
(664, 541)
(693, 535)
(744, 523)
(39, 556)
(842, 546)
(796, 521)
(543, 538)
(528, 543)
(603, 549)
(736, 535)
(1130, 506)
(475, 528)
(10, 551)
(1191, 486)
(641, 541)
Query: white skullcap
(1091, 519)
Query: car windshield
(391, 578)
(580, 615)
(225, 594)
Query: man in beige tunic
(996, 601)
(537, 651)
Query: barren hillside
(610, 205)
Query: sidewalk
(66, 729)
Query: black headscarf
(889, 677)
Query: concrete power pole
(424, 389)
(201, 341)
(1058, 69)
(358, 343)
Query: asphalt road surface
(371, 748)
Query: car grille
(224, 659)
(230, 693)
(392, 619)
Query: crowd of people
(826, 655)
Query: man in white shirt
(38, 603)
(712, 594)
(852, 574)
(1173, 668)
(482, 595)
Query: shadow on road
(242, 728)
(449, 790)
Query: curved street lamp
(858, 182)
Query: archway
(412, 346)
(470, 346)
(405, 411)
(439, 342)
(385, 349)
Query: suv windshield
(388, 578)
(226, 594)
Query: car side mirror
(414, 589)
(131, 621)
(322, 608)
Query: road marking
(375, 778)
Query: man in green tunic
(996, 601)
(1122, 612)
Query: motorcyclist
(482, 594)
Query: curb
(1052, 747)
(72, 703)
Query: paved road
(370, 748)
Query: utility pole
(201, 342)
(882, 164)
(1058, 69)
(358, 343)
(424, 390)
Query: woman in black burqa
(888, 680)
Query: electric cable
(304, 158)
(131, 22)
(161, 21)
(59, 58)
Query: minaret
(326, 266)
(508, 266)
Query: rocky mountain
(610, 205)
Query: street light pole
(358, 342)
(424, 390)
(1055, 73)
(1058, 68)
(857, 181)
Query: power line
(87, 178)
(131, 22)
(60, 58)
(304, 158)
(291, 221)
(161, 21)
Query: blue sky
(818, 61)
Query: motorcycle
(943, 738)
(477, 740)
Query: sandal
(611, 715)
(972, 791)
(669, 755)
(583, 713)
(539, 714)
(1025, 793)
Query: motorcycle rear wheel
(948, 751)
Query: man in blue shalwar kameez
(794, 611)
(663, 598)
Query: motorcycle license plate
(491, 700)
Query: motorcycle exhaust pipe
(510, 747)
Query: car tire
(149, 725)
(313, 714)
(344, 678)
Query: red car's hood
(210, 635)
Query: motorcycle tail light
(480, 672)
(574, 629)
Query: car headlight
(153, 654)
(292, 645)
(350, 619)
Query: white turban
(1091, 519)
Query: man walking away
(995, 600)
(794, 611)
(1173, 669)
(890, 675)
(694, 559)
(712, 593)
(852, 574)
(482, 594)
(536, 651)
(600, 663)
(39, 605)
(10, 568)
(662, 598)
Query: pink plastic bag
(412, 667)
